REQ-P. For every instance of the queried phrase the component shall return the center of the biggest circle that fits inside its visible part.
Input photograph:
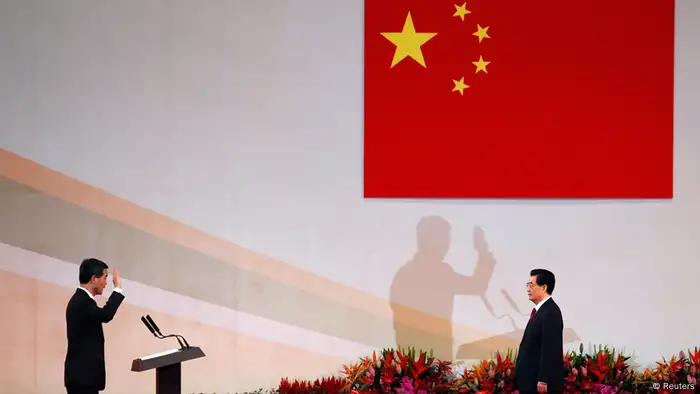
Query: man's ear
(544, 287)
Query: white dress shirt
(539, 304)
(117, 289)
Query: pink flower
(406, 386)
(607, 389)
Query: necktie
(532, 314)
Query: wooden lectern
(168, 367)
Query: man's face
(99, 284)
(535, 293)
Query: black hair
(544, 277)
(91, 267)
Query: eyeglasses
(530, 285)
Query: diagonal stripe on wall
(49, 213)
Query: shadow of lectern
(487, 347)
(168, 364)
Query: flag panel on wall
(518, 99)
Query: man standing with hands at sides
(84, 371)
(540, 364)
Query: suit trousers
(81, 390)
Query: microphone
(153, 324)
(153, 328)
(161, 336)
(150, 328)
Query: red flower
(599, 368)
(695, 356)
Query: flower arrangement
(680, 374)
(411, 371)
(603, 371)
(490, 376)
(325, 385)
(401, 371)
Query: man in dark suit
(84, 371)
(540, 364)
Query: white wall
(244, 119)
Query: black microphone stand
(176, 336)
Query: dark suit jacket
(541, 353)
(85, 358)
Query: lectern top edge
(166, 358)
(156, 355)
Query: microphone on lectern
(153, 324)
(156, 331)
(150, 328)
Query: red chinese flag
(519, 99)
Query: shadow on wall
(429, 284)
(53, 215)
(48, 216)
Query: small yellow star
(481, 65)
(460, 86)
(408, 42)
(481, 32)
(461, 11)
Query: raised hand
(116, 279)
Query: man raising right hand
(84, 371)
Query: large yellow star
(481, 65)
(461, 11)
(460, 86)
(408, 42)
(481, 32)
